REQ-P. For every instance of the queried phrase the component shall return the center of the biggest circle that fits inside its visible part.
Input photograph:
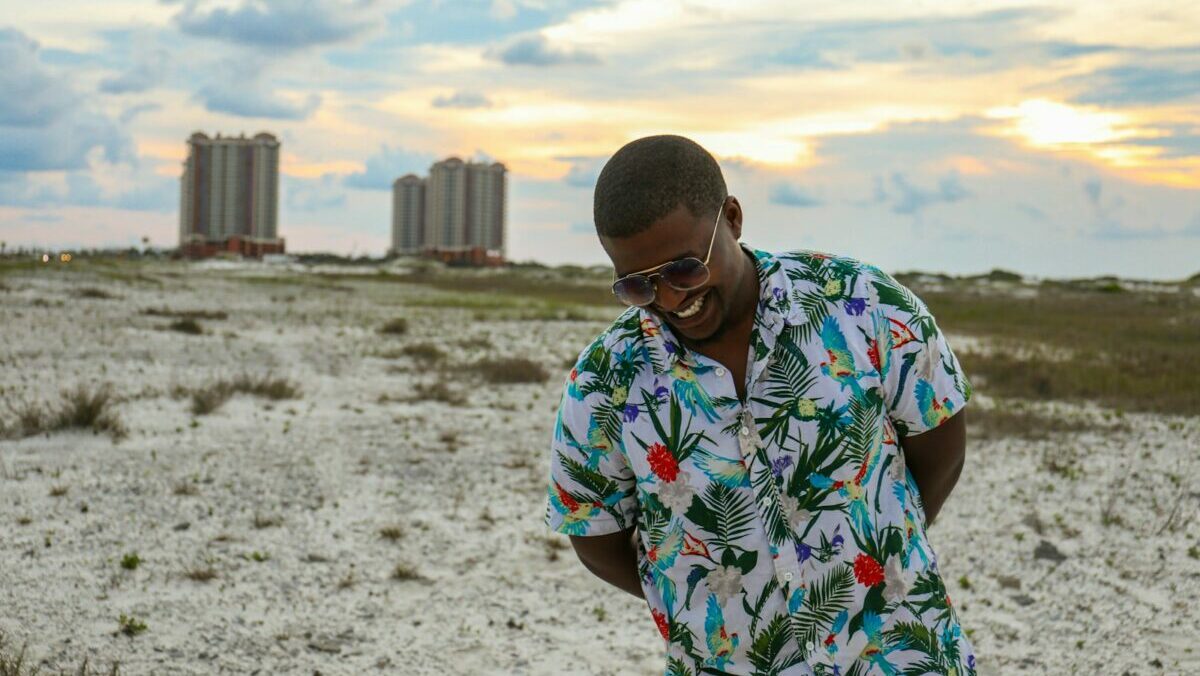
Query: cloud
(584, 171)
(314, 194)
(241, 91)
(462, 99)
(1131, 85)
(285, 24)
(132, 112)
(536, 50)
(78, 188)
(147, 72)
(44, 123)
(792, 196)
(33, 95)
(912, 200)
(387, 165)
(1092, 188)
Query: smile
(693, 309)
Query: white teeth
(691, 310)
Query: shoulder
(613, 359)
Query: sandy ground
(1078, 554)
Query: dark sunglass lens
(635, 290)
(685, 274)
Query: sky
(1057, 139)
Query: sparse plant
(186, 325)
(131, 561)
(201, 572)
(394, 327)
(185, 314)
(391, 533)
(424, 352)
(93, 292)
(58, 491)
(185, 487)
(405, 572)
(511, 370)
(257, 556)
(437, 391)
(267, 521)
(210, 397)
(130, 626)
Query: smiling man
(758, 444)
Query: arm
(612, 558)
(935, 459)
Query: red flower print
(873, 354)
(661, 620)
(662, 463)
(867, 571)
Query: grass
(130, 626)
(511, 370)
(423, 352)
(201, 573)
(1014, 419)
(437, 391)
(13, 663)
(187, 325)
(93, 292)
(1131, 351)
(81, 407)
(209, 398)
(394, 327)
(186, 314)
(405, 572)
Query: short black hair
(651, 177)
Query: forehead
(676, 235)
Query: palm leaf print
(824, 600)
(767, 646)
(725, 512)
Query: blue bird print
(721, 645)
(662, 558)
(933, 412)
(598, 445)
(840, 366)
(730, 473)
(689, 390)
(875, 652)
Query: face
(680, 234)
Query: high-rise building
(408, 214)
(457, 214)
(229, 196)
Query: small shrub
(208, 399)
(131, 561)
(130, 626)
(424, 352)
(405, 572)
(267, 521)
(511, 370)
(437, 391)
(391, 533)
(188, 325)
(395, 327)
(93, 292)
(84, 407)
(211, 397)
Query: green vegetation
(130, 626)
(131, 561)
(1132, 351)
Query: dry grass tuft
(211, 397)
(1013, 420)
(395, 327)
(82, 407)
(428, 353)
(185, 314)
(404, 572)
(189, 326)
(201, 573)
(267, 520)
(59, 491)
(437, 391)
(185, 487)
(511, 370)
(93, 292)
(13, 663)
(391, 533)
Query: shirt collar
(777, 307)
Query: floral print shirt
(781, 534)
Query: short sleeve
(923, 383)
(592, 490)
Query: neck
(736, 336)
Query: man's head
(657, 200)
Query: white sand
(495, 598)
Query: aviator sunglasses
(683, 274)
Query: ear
(733, 212)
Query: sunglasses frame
(652, 274)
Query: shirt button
(788, 577)
(811, 646)
(720, 372)
(745, 430)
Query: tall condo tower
(457, 214)
(229, 196)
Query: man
(757, 445)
